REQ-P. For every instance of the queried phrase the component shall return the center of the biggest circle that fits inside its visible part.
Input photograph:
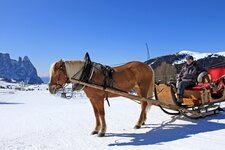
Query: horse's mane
(73, 67)
(51, 71)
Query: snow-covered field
(34, 120)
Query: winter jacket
(189, 72)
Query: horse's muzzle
(52, 89)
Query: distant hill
(21, 70)
(166, 67)
(205, 60)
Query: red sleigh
(199, 101)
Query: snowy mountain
(21, 70)
(205, 60)
(199, 56)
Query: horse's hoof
(137, 127)
(143, 123)
(101, 134)
(94, 132)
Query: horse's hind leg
(144, 104)
(142, 117)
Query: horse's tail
(151, 85)
(151, 88)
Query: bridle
(58, 84)
(59, 75)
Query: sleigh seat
(211, 86)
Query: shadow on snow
(10, 103)
(169, 131)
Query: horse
(132, 75)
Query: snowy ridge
(196, 55)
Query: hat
(188, 57)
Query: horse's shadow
(169, 131)
(10, 103)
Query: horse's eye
(56, 68)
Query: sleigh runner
(100, 82)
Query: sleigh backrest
(216, 73)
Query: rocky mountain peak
(4, 56)
(21, 70)
(26, 59)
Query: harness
(86, 75)
(108, 81)
(88, 71)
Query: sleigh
(199, 101)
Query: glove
(177, 84)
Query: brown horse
(133, 75)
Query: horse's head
(58, 76)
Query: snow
(37, 120)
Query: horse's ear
(61, 60)
(87, 57)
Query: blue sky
(112, 31)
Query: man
(187, 77)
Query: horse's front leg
(97, 118)
(101, 112)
